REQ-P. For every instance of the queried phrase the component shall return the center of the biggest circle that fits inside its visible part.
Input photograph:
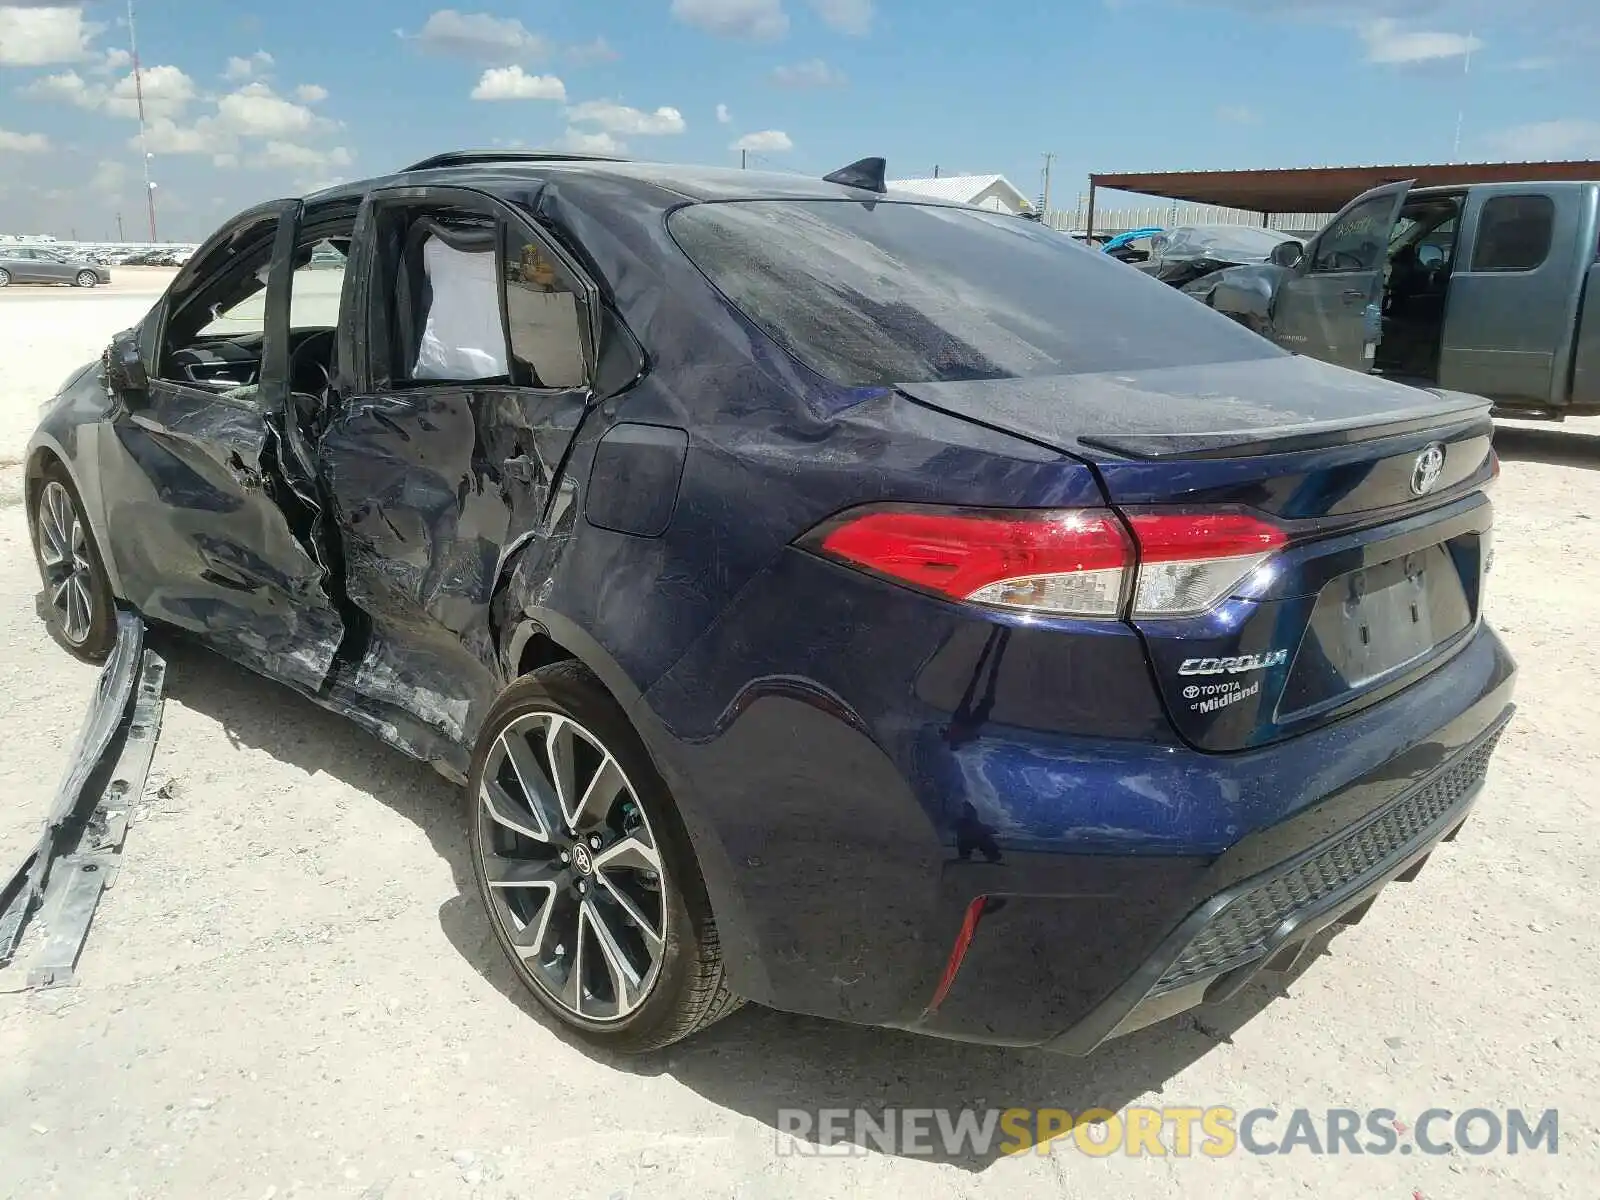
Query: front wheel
(586, 870)
(88, 279)
(79, 609)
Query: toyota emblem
(1428, 470)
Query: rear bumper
(1266, 920)
(847, 816)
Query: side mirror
(1287, 254)
(125, 364)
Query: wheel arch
(541, 637)
(46, 452)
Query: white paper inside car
(463, 337)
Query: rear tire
(88, 279)
(80, 611)
(5, 278)
(586, 870)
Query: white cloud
(1388, 42)
(166, 136)
(479, 36)
(37, 37)
(1537, 62)
(724, 117)
(292, 154)
(109, 177)
(311, 93)
(767, 140)
(1573, 137)
(255, 110)
(512, 83)
(846, 16)
(814, 73)
(312, 184)
(1238, 114)
(758, 20)
(241, 69)
(579, 142)
(67, 88)
(114, 61)
(619, 118)
(23, 143)
(167, 92)
(596, 51)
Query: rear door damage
(78, 854)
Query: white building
(994, 192)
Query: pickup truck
(1489, 288)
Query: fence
(1171, 214)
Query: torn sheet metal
(77, 854)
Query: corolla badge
(1239, 664)
(1427, 470)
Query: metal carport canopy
(1323, 189)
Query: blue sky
(249, 102)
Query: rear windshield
(908, 293)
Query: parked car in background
(1489, 288)
(44, 264)
(1024, 669)
(1189, 252)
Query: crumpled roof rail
(467, 158)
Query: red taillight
(1174, 537)
(1066, 562)
(1070, 561)
(1190, 562)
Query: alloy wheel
(87, 279)
(68, 570)
(572, 867)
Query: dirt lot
(291, 990)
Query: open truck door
(1519, 271)
(1330, 306)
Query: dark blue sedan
(848, 602)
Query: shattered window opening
(473, 300)
(544, 317)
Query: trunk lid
(1378, 486)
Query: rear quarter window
(1514, 233)
(891, 292)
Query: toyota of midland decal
(1209, 697)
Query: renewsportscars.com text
(1174, 1131)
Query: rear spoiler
(1286, 439)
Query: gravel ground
(292, 992)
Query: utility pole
(743, 155)
(936, 170)
(120, 238)
(1048, 159)
(144, 152)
